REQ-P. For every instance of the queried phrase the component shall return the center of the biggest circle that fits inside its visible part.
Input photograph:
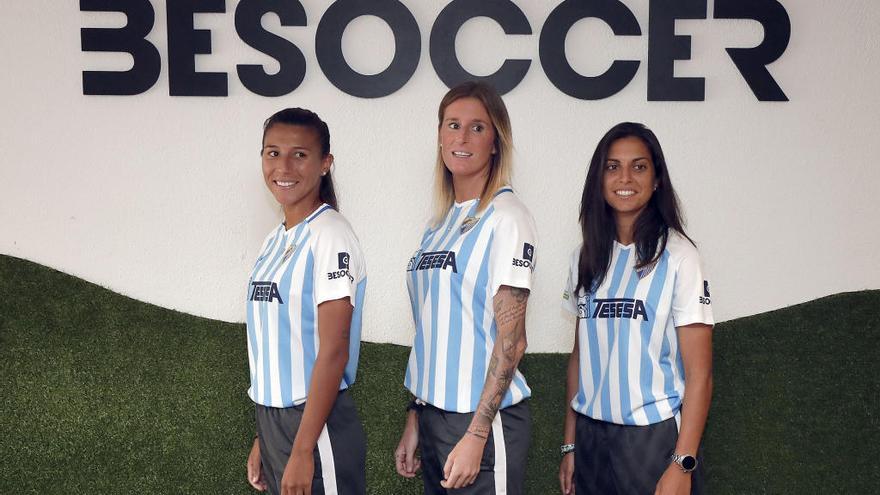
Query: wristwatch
(565, 449)
(686, 462)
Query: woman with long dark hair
(639, 377)
(469, 283)
(305, 297)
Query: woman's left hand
(674, 482)
(463, 464)
(254, 468)
(297, 478)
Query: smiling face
(467, 139)
(292, 167)
(629, 178)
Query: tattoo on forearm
(510, 311)
(479, 431)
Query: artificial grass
(105, 394)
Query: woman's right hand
(566, 474)
(405, 458)
(254, 471)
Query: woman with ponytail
(305, 297)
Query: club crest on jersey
(265, 292)
(528, 257)
(645, 270)
(343, 261)
(468, 224)
(287, 252)
(705, 298)
(436, 259)
(620, 308)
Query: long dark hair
(598, 228)
(308, 118)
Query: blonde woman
(469, 283)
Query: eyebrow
(475, 121)
(296, 147)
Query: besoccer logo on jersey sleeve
(528, 257)
(705, 298)
(343, 271)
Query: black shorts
(617, 459)
(503, 466)
(340, 455)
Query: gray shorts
(503, 466)
(621, 459)
(340, 455)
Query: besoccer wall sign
(184, 42)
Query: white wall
(162, 199)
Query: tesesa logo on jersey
(265, 292)
(343, 268)
(705, 298)
(620, 308)
(435, 259)
(528, 255)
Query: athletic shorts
(340, 455)
(622, 459)
(503, 466)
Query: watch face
(688, 463)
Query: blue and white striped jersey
(452, 279)
(631, 371)
(317, 260)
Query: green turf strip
(105, 394)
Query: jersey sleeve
(569, 294)
(339, 266)
(513, 251)
(691, 301)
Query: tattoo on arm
(510, 310)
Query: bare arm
(572, 380)
(334, 322)
(463, 463)
(695, 345)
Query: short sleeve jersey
(452, 279)
(631, 371)
(317, 260)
